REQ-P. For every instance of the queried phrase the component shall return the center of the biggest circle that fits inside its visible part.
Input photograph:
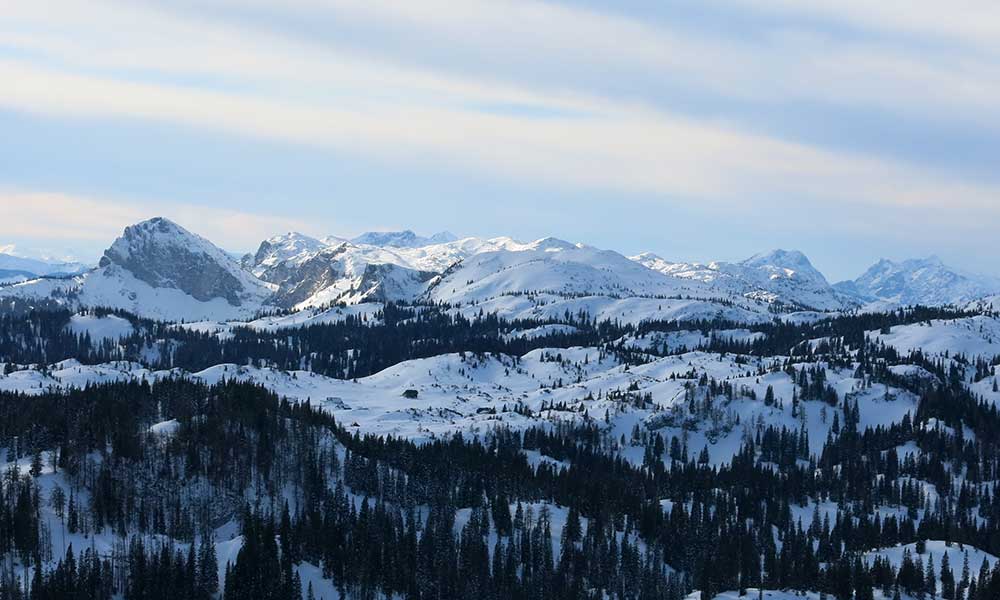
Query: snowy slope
(610, 308)
(974, 336)
(556, 267)
(463, 393)
(936, 550)
(109, 327)
(755, 594)
(116, 288)
(987, 304)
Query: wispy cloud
(974, 23)
(542, 92)
(614, 144)
(96, 222)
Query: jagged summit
(163, 254)
(919, 281)
(284, 247)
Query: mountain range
(19, 268)
(158, 269)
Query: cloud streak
(96, 222)
(618, 147)
(537, 92)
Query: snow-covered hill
(553, 266)
(925, 281)
(464, 393)
(974, 336)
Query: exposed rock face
(316, 272)
(165, 255)
(387, 282)
(281, 248)
(299, 281)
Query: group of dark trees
(356, 345)
(473, 517)
(349, 347)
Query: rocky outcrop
(165, 255)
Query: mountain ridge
(19, 268)
(159, 269)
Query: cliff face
(165, 255)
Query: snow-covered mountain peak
(158, 233)
(290, 246)
(443, 237)
(296, 241)
(551, 244)
(163, 254)
(919, 281)
(644, 257)
(788, 264)
(402, 239)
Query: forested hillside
(580, 459)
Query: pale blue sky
(708, 130)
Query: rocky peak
(165, 255)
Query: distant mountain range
(403, 239)
(17, 268)
(160, 270)
(918, 281)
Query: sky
(708, 130)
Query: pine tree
(72, 518)
(930, 577)
(208, 567)
(947, 579)
(36, 464)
